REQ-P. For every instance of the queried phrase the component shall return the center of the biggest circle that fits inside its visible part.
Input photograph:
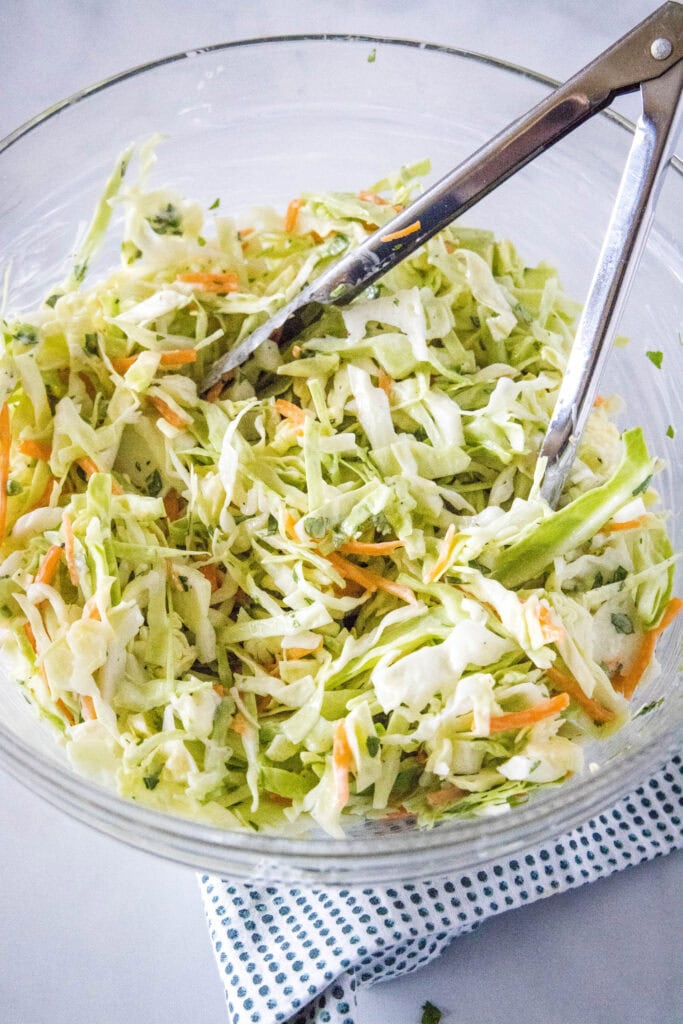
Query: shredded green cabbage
(329, 590)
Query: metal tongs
(649, 57)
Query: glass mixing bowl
(259, 122)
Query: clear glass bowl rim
(209, 847)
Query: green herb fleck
(184, 583)
(14, 488)
(372, 56)
(167, 221)
(151, 781)
(620, 573)
(316, 526)
(641, 488)
(215, 204)
(51, 300)
(91, 345)
(201, 240)
(522, 313)
(154, 484)
(670, 432)
(372, 744)
(647, 708)
(655, 358)
(622, 623)
(598, 580)
(25, 334)
(130, 252)
(430, 1014)
(475, 321)
(272, 525)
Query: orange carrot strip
(569, 685)
(291, 412)
(521, 719)
(550, 628)
(90, 610)
(445, 552)
(89, 467)
(218, 282)
(628, 682)
(296, 653)
(68, 714)
(219, 689)
(35, 449)
(90, 388)
(410, 230)
(30, 636)
(627, 524)
(169, 414)
(289, 525)
(359, 547)
(240, 725)
(366, 196)
(88, 708)
(342, 760)
(214, 393)
(447, 795)
(5, 446)
(70, 548)
(292, 214)
(174, 357)
(385, 382)
(212, 573)
(48, 564)
(370, 580)
(44, 499)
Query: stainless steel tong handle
(648, 57)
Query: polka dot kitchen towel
(299, 954)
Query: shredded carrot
(48, 564)
(169, 414)
(212, 573)
(68, 714)
(88, 708)
(296, 351)
(276, 798)
(296, 653)
(45, 497)
(219, 689)
(628, 682)
(521, 719)
(342, 761)
(366, 196)
(447, 795)
(410, 230)
(627, 524)
(599, 401)
(263, 702)
(240, 725)
(90, 610)
(218, 283)
(444, 557)
(385, 382)
(89, 468)
(5, 446)
(35, 449)
(449, 247)
(214, 393)
(174, 357)
(292, 214)
(69, 548)
(370, 580)
(294, 413)
(173, 505)
(359, 547)
(561, 681)
(289, 524)
(551, 629)
(30, 636)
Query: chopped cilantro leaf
(316, 526)
(151, 781)
(620, 573)
(167, 221)
(26, 334)
(641, 488)
(372, 744)
(215, 204)
(51, 300)
(430, 1014)
(647, 708)
(670, 432)
(154, 483)
(655, 358)
(91, 344)
(622, 623)
(13, 488)
(372, 56)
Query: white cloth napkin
(300, 953)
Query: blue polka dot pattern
(299, 954)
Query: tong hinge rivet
(661, 49)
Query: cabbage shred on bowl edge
(329, 588)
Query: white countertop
(92, 931)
